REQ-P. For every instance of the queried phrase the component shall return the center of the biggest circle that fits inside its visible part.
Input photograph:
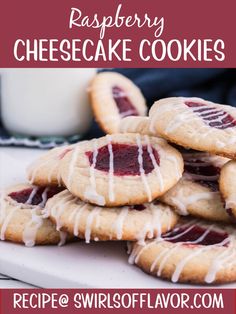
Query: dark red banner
(108, 33)
(130, 301)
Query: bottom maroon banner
(117, 301)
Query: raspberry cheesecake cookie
(193, 252)
(45, 170)
(113, 97)
(21, 216)
(121, 169)
(227, 184)
(139, 125)
(90, 222)
(196, 123)
(197, 192)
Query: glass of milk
(45, 102)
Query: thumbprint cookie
(21, 215)
(90, 222)
(193, 252)
(197, 193)
(113, 97)
(121, 169)
(196, 123)
(45, 170)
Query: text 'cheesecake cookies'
(121, 169)
(90, 222)
(197, 192)
(21, 216)
(193, 252)
(227, 184)
(45, 169)
(113, 97)
(196, 123)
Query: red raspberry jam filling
(201, 171)
(125, 159)
(24, 196)
(123, 103)
(139, 207)
(216, 118)
(195, 234)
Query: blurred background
(217, 85)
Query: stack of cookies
(163, 182)
(201, 248)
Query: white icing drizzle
(32, 194)
(196, 159)
(211, 114)
(156, 221)
(63, 236)
(155, 165)
(222, 259)
(91, 217)
(91, 191)
(182, 201)
(38, 214)
(72, 215)
(57, 210)
(32, 227)
(141, 169)
(180, 234)
(134, 253)
(44, 197)
(77, 219)
(129, 247)
(51, 160)
(193, 115)
(226, 256)
(180, 266)
(155, 224)
(72, 166)
(147, 230)
(138, 251)
(111, 170)
(158, 258)
(120, 222)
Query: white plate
(100, 265)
